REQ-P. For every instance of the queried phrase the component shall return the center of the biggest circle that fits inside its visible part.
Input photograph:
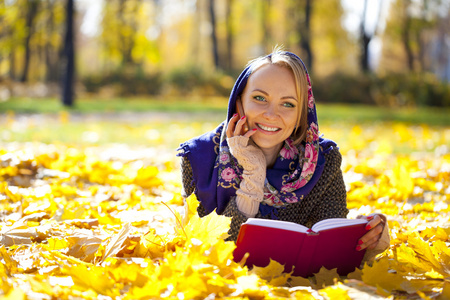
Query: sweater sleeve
(187, 178)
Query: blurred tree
(214, 41)
(299, 21)
(10, 30)
(196, 33)
(406, 33)
(30, 12)
(305, 31)
(229, 34)
(129, 34)
(53, 17)
(366, 36)
(68, 57)
(411, 34)
(334, 49)
(31, 38)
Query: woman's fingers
(232, 125)
(370, 239)
(238, 126)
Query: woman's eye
(287, 104)
(259, 98)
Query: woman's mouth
(268, 128)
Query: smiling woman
(271, 109)
(267, 159)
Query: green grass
(362, 114)
(52, 105)
(327, 113)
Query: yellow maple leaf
(151, 245)
(413, 285)
(11, 265)
(250, 286)
(379, 275)
(335, 292)
(355, 274)
(299, 281)
(273, 269)
(425, 253)
(40, 284)
(57, 243)
(221, 253)
(445, 294)
(190, 208)
(93, 278)
(116, 242)
(129, 273)
(302, 293)
(409, 260)
(15, 294)
(273, 273)
(208, 229)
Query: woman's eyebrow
(261, 91)
(267, 94)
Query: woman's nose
(271, 112)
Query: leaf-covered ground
(90, 221)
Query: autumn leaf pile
(108, 222)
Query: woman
(267, 159)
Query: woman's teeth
(268, 128)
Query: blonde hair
(283, 59)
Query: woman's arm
(186, 177)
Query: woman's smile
(269, 129)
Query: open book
(330, 243)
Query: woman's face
(270, 104)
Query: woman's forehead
(271, 74)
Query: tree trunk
(31, 13)
(406, 31)
(421, 51)
(12, 64)
(128, 42)
(365, 40)
(305, 32)
(195, 34)
(51, 57)
(215, 48)
(230, 35)
(69, 57)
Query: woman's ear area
(239, 108)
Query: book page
(335, 223)
(277, 224)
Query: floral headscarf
(217, 174)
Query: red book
(330, 243)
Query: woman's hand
(252, 159)
(249, 156)
(374, 229)
(238, 126)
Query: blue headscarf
(217, 174)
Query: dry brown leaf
(115, 244)
(326, 277)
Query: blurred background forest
(378, 52)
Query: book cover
(329, 243)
